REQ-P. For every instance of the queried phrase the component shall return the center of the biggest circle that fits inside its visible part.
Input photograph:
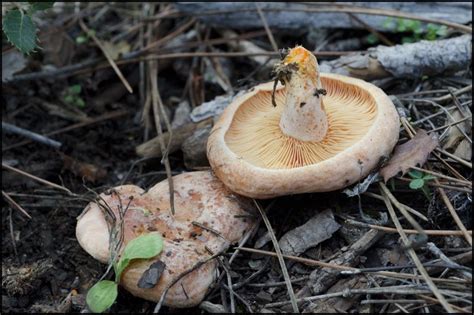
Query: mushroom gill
(255, 135)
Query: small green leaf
(428, 177)
(143, 247)
(417, 183)
(81, 39)
(80, 102)
(401, 25)
(91, 33)
(415, 174)
(430, 36)
(388, 23)
(407, 40)
(101, 296)
(410, 24)
(431, 26)
(372, 39)
(69, 99)
(417, 29)
(442, 31)
(20, 30)
(75, 89)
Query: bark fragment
(316, 230)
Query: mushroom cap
(199, 197)
(249, 153)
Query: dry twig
(13, 204)
(267, 28)
(159, 111)
(107, 56)
(407, 231)
(413, 255)
(280, 258)
(43, 181)
(313, 262)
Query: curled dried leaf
(412, 153)
(152, 275)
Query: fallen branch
(405, 61)
(32, 135)
(301, 16)
(322, 279)
(90, 121)
(151, 148)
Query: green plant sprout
(84, 38)
(419, 180)
(18, 25)
(72, 96)
(415, 29)
(102, 295)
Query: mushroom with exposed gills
(208, 218)
(315, 132)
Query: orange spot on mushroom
(297, 54)
(195, 196)
(183, 242)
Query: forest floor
(85, 106)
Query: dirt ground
(45, 270)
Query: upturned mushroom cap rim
(260, 182)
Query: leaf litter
(414, 152)
(293, 217)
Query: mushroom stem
(303, 117)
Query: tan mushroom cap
(199, 197)
(250, 150)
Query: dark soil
(43, 267)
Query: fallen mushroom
(208, 218)
(326, 132)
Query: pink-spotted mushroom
(208, 218)
(317, 132)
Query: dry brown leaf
(455, 136)
(116, 49)
(89, 172)
(412, 153)
(58, 48)
(464, 150)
